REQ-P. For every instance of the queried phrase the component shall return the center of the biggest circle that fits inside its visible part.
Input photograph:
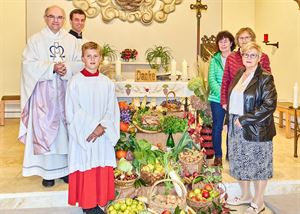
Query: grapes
(126, 115)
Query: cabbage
(124, 165)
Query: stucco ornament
(145, 11)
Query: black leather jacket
(260, 99)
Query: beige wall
(281, 20)
(237, 14)
(12, 41)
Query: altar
(129, 89)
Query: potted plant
(108, 53)
(159, 57)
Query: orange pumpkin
(123, 105)
(124, 126)
(121, 154)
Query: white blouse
(236, 100)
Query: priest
(50, 58)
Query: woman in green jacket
(225, 43)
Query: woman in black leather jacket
(252, 102)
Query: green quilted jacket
(215, 75)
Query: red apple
(166, 212)
(205, 194)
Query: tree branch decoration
(145, 11)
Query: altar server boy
(93, 119)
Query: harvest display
(186, 183)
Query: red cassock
(92, 187)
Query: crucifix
(198, 6)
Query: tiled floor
(286, 167)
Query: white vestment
(91, 101)
(42, 51)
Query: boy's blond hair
(91, 45)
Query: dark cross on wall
(198, 6)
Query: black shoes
(95, 210)
(48, 183)
(65, 179)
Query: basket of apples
(161, 197)
(151, 173)
(191, 160)
(201, 197)
(126, 205)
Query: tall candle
(173, 67)
(296, 91)
(184, 70)
(105, 61)
(118, 69)
(266, 37)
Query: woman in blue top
(225, 44)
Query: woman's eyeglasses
(251, 56)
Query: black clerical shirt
(74, 33)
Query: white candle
(184, 70)
(173, 67)
(118, 69)
(105, 61)
(295, 103)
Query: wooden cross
(198, 7)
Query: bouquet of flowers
(128, 54)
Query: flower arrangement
(199, 101)
(128, 54)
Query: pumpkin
(124, 126)
(121, 154)
(123, 105)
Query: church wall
(281, 20)
(12, 42)
(237, 14)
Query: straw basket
(173, 108)
(124, 184)
(149, 178)
(158, 205)
(203, 205)
(191, 167)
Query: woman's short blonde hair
(242, 30)
(91, 45)
(249, 46)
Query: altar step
(280, 195)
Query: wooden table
(284, 107)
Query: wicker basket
(160, 207)
(124, 184)
(149, 178)
(141, 129)
(170, 106)
(202, 205)
(191, 167)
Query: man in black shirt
(77, 21)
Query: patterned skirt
(248, 160)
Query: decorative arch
(145, 11)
